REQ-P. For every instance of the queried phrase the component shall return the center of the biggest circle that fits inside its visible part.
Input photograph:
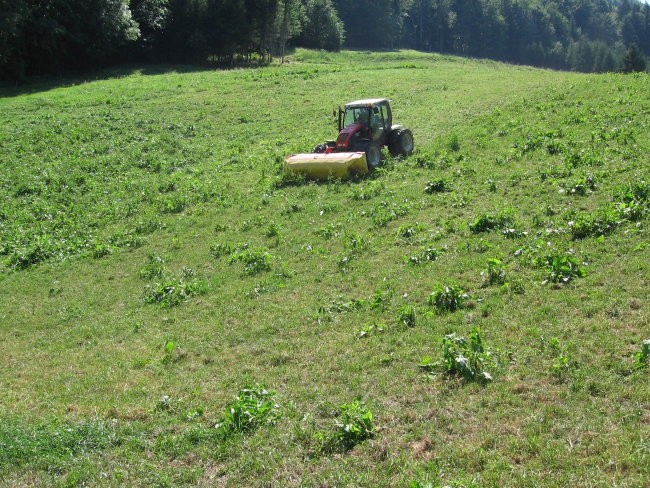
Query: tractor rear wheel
(400, 143)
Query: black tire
(400, 143)
(373, 154)
(321, 148)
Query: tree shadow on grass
(42, 84)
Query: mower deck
(330, 165)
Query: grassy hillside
(155, 262)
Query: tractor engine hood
(343, 141)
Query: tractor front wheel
(401, 143)
(373, 155)
(322, 148)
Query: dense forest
(53, 37)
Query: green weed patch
(466, 358)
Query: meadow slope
(155, 260)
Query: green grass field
(155, 262)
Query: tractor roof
(370, 102)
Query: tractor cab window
(356, 115)
(378, 123)
(377, 118)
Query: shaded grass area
(325, 292)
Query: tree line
(582, 35)
(54, 37)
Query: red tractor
(366, 126)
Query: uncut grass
(83, 344)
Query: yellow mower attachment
(321, 166)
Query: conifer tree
(633, 60)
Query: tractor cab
(371, 118)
